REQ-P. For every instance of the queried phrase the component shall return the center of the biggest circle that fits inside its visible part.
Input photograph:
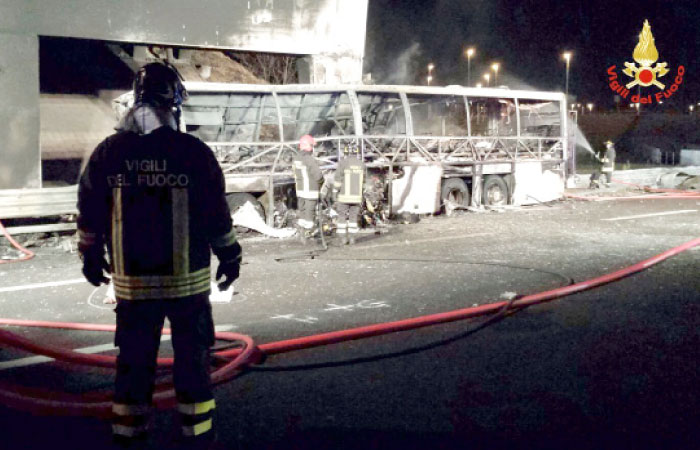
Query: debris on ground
(691, 183)
(508, 295)
(407, 218)
(247, 216)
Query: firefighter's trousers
(139, 326)
(348, 214)
(307, 212)
(607, 174)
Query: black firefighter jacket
(349, 179)
(158, 202)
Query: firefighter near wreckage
(159, 237)
(348, 183)
(308, 180)
(608, 161)
(607, 166)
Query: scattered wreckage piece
(249, 217)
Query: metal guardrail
(42, 202)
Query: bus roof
(204, 87)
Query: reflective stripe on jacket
(349, 179)
(609, 160)
(307, 176)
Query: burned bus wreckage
(426, 149)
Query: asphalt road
(613, 367)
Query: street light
(429, 78)
(590, 107)
(495, 67)
(431, 66)
(470, 53)
(487, 77)
(567, 57)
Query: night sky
(528, 38)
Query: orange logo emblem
(645, 54)
(645, 72)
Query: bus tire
(495, 191)
(237, 199)
(454, 193)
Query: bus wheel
(495, 191)
(237, 199)
(454, 194)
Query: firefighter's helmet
(608, 144)
(306, 143)
(159, 84)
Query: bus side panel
(418, 191)
(535, 183)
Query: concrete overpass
(330, 34)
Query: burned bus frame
(471, 134)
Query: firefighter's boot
(303, 234)
(352, 232)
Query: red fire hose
(634, 197)
(663, 194)
(27, 253)
(98, 404)
(656, 190)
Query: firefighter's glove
(94, 266)
(230, 271)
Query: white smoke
(399, 70)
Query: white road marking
(641, 216)
(368, 304)
(32, 360)
(421, 241)
(364, 304)
(42, 285)
(305, 319)
(334, 307)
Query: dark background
(528, 38)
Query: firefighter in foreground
(155, 197)
(348, 183)
(308, 179)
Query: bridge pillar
(329, 68)
(19, 111)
